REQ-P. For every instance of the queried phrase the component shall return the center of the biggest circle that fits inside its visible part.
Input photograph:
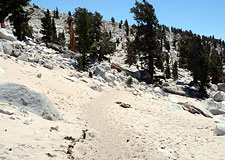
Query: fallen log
(69, 53)
(194, 110)
(120, 69)
(169, 90)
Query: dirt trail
(113, 139)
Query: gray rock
(23, 57)
(28, 121)
(159, 91)
(96, 86)
(214, 87)
(39, 75)
(7, 48)
(99, 71)
(215, 108)
(27, 99)
(220, 129)
(218, 96)
(48, 64)
(219, 119)
(221, 87)
(16, 53)
(109, 77)
(111, 84)
(8, 35)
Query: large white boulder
(220, 129)
(26, 99)
(219, 119)
(215, 108)
(6, 34)
(218, 96)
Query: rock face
(29, 100)
(219, 96)
(215, 108)
(220, 129)
(4, 34)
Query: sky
(204, 17)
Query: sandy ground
(142, 132)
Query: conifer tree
(145, 40)
(106, 46)
(126, 27)
(83, 30)
(19, 19)
(61, 39)
(113, 21)
(216, 67)
(56, 13)
(48, 28)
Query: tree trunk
(72, 39)
(84, 60)
(151, 67)
(3, 24)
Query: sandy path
(114, 140)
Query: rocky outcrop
(215, 108)
(6, 34)
(29, 100)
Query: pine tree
(106, 46)
(196, 58)
(48, 29)
(83, 30)
(61, 39)
(145, 40)
(126, 27)
(56, 13)
(53, 32)
(19, 19)
(131, 57)
(113, 21)
(175, 71)
(216, 67)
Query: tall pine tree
(145, 40)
